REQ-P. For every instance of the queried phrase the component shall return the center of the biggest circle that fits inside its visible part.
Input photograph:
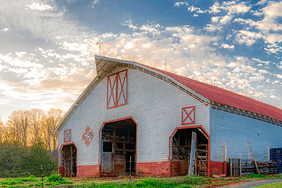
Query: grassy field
(178, 182)
(276, 185)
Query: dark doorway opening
(181, 151)
(118, 143)
(69, 160)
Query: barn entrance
(69, 154)
(189, 148)
(118, 148)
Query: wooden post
(71, 162)
(230, 166)
(240, 170)
(224, 152)
(253, 158)
(192, 154)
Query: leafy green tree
(37, 156)
(11, 158)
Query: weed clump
(255, 176)
(56, 179)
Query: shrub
(55, 178)
(38, 184)
(257, 176)
(195, 179)
(185, 186)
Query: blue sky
(47, 47)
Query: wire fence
(68, 171)
(26, 172)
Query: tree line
(29, 126)
(27, 141)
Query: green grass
(52, 180)
(261, 176)
(178, 182)
(181, 182)
(278, 185)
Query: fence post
(41, 174)
(130, 168)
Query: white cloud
(273, 48)
(41, 7)
(212, 28)
(279, 66)
(261, 61)
(215, 19)
(178, 4)
(227, 46)
(225, 19)
(129, 24)
(231, 7)
(196, 9)
(263, 71)
(43, 19)
(95, 2)
(247, 37)
(262, 2)
(279, 75)
(215, 8)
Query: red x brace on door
(117, 89)
(67, 135)
(188, 115)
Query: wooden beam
(192, 154)
(253, 158)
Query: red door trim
(70, 143)
(191, 127)
(99, 148)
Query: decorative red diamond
(87, 136)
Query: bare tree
(37, 119)
(1, 130)
(19, 123)
(54, 116)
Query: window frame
(113, 89)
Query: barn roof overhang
(224, 100)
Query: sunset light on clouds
(48, 46)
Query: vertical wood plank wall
(154, 104)
(235, 130)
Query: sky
(47, 47)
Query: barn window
(117, 89)
(67, 135)
(188, 115)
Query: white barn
(132, 111)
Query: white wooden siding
(154, 104)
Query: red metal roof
(226, 97)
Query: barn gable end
(153, 102)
